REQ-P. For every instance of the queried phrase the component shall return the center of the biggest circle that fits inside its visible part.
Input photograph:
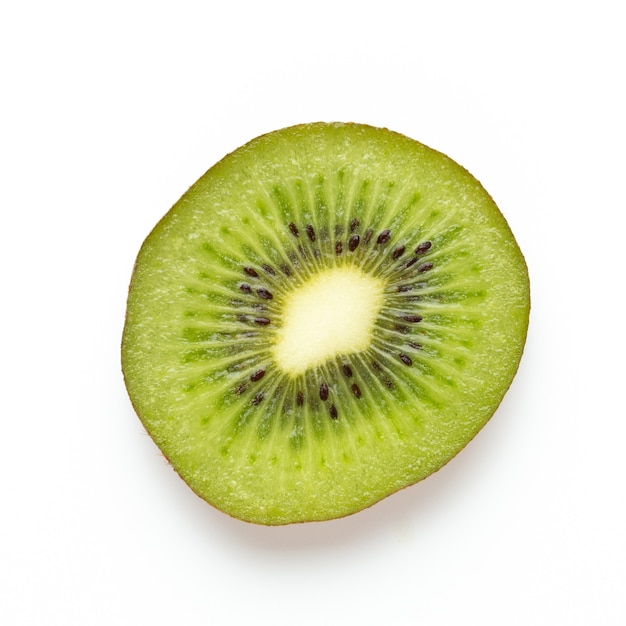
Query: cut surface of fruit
(330, 314)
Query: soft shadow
(316, 536)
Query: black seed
(285, 270)
(257, 399)
(241, 389)
(242, 318)
(354, 224)
(398, 252)
(250, 272)
(387, 383)
(338, 248)
(353, 242)
(384, 237)
(323, 392)
(405, 288)
(347, 370)
(423, 247)
(415, 346)
(257, 375)
(265, 294)
(245, 288)
(300, 398)
(368, 236)
(411, 261)
(425, 267)
(355, 390)
(403, 330)
(333, 411)
(413, 319)
(376, 366)
(405, 359)
(310, 232)
(294, 229)
(261, 321)
(269, 269)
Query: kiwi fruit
(330, 314)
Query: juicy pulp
(213, 303)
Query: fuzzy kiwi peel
(330, 314)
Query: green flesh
(445, 345)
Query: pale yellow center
(333, 313)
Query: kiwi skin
(152, 334)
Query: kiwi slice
(330, 314)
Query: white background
(109, 111)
